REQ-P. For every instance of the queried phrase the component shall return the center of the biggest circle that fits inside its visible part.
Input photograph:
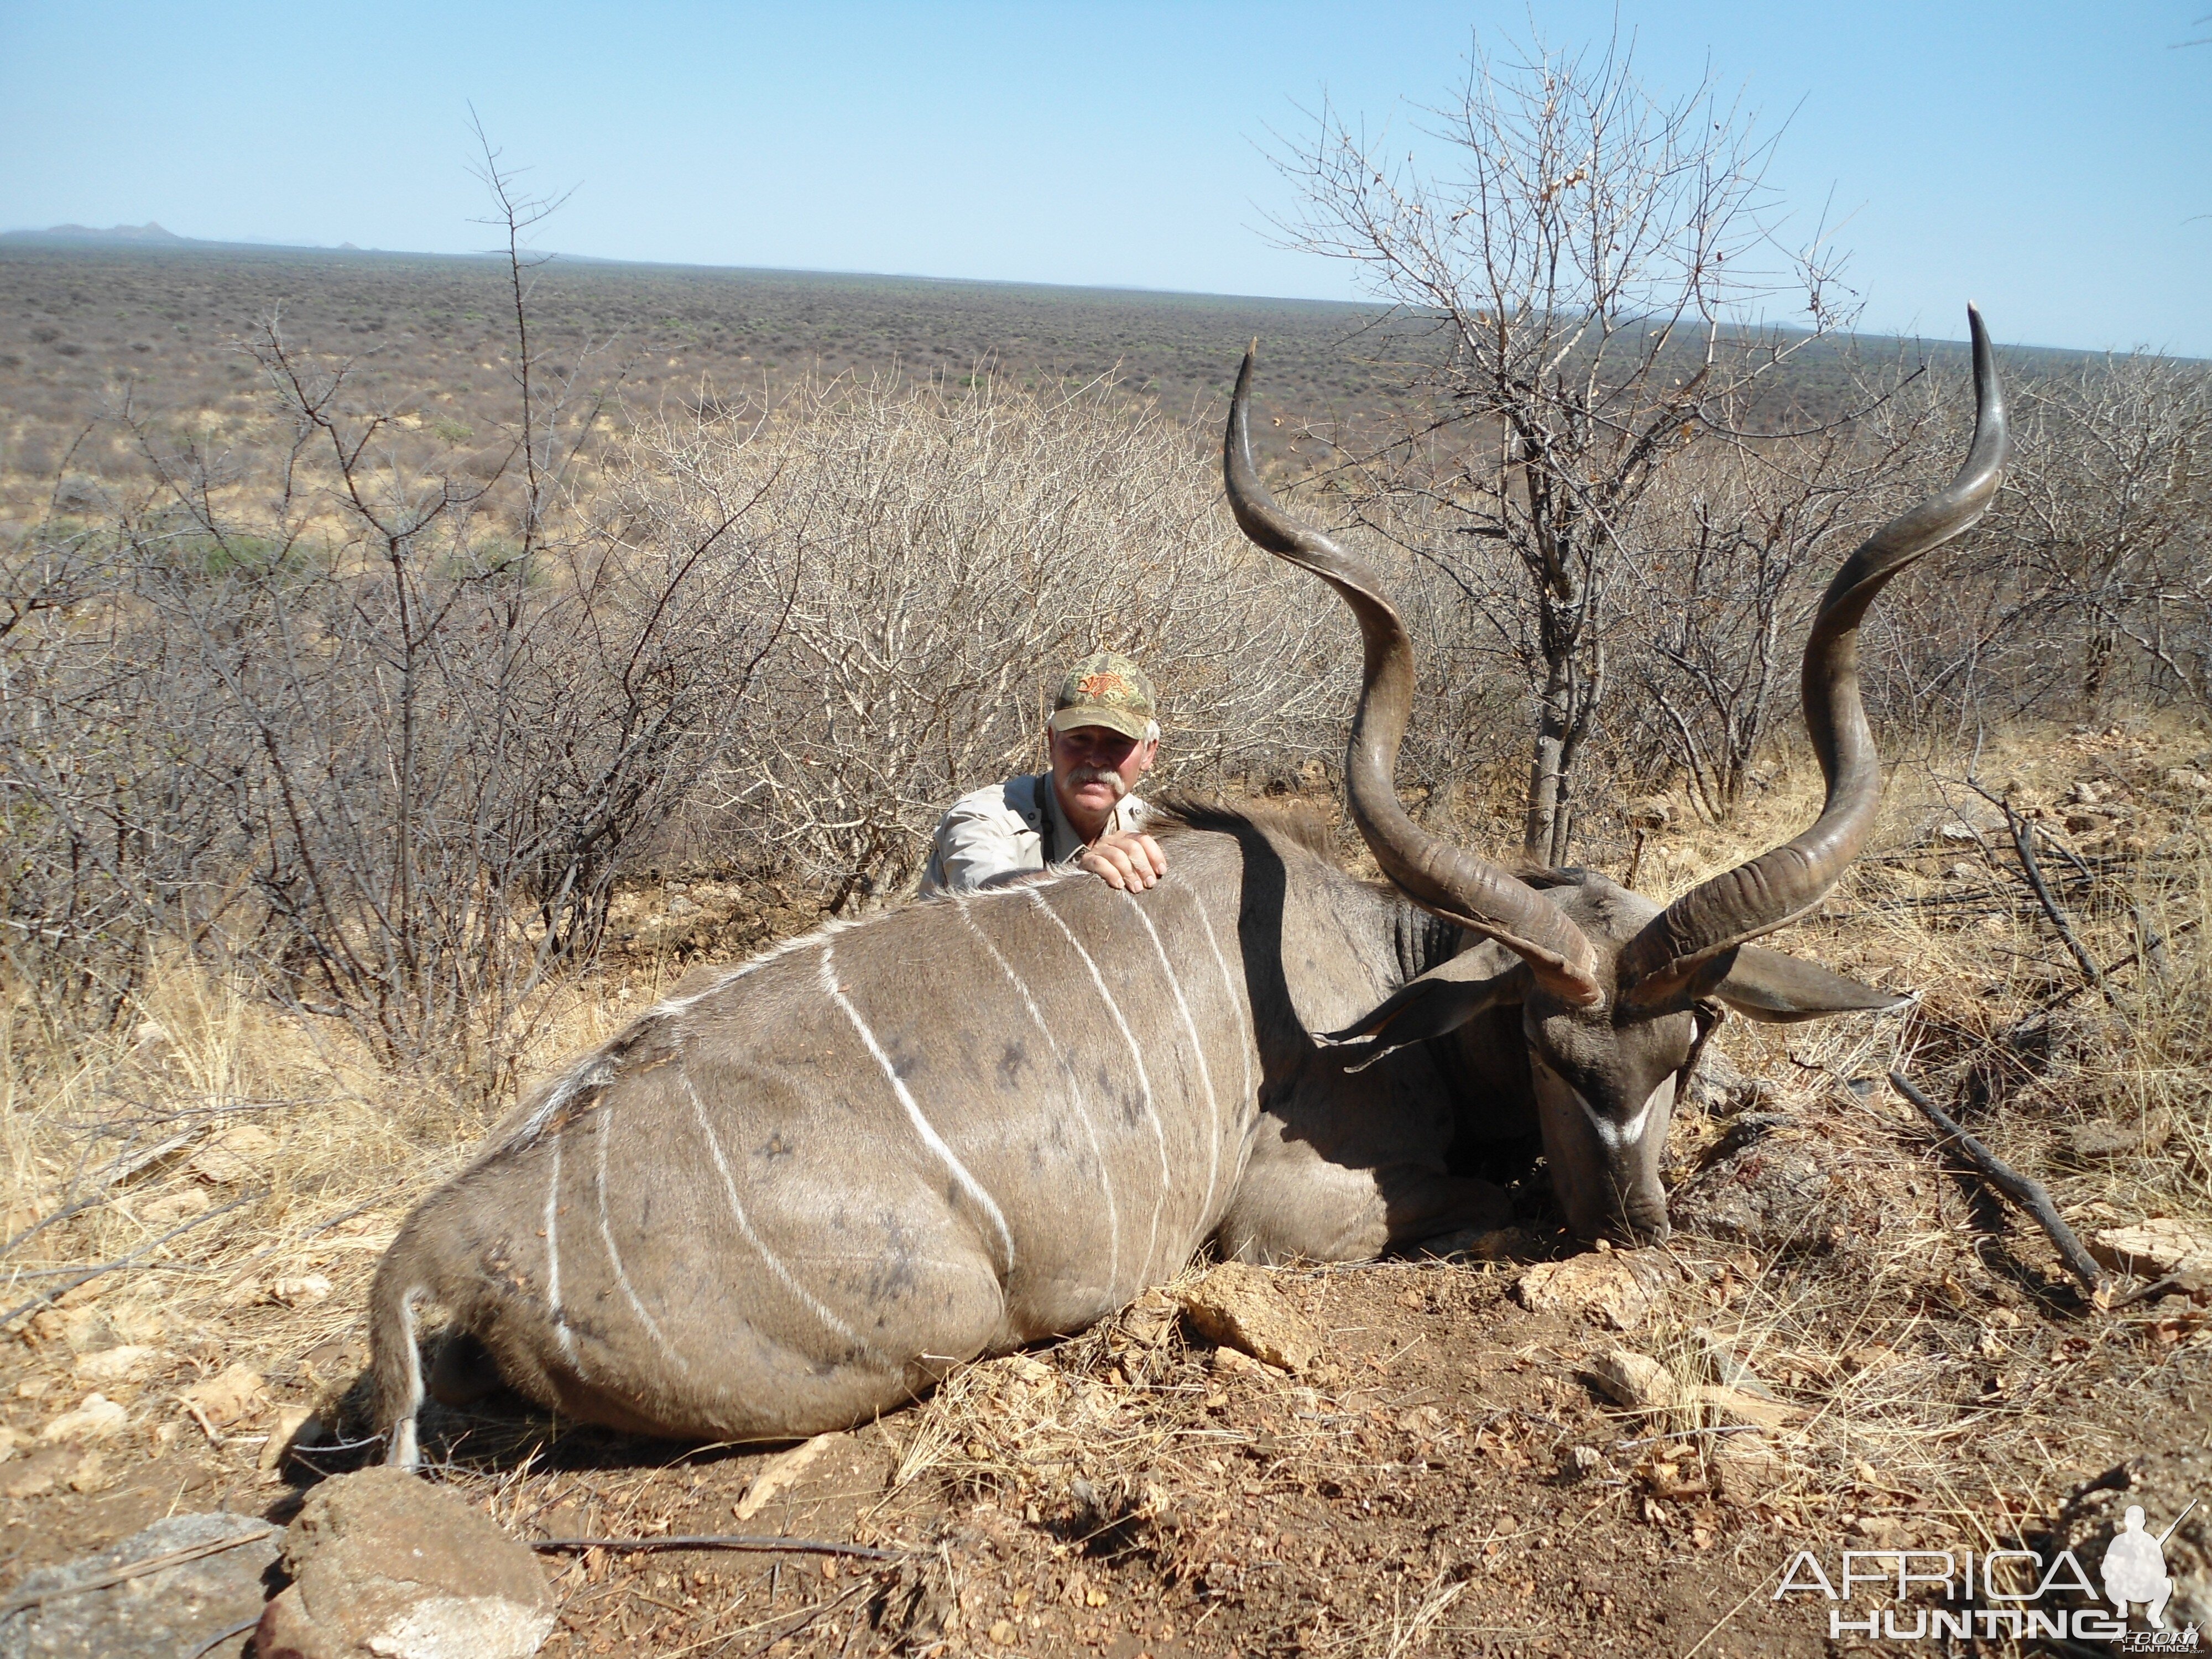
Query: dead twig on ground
(716, 1541)
(2171, 1283)
(2023, 834)
(222, 1636)
(2029, 1194)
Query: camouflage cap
(1106, 688)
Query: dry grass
(210, 1146)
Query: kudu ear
(1439, 1001)
(1776, 988)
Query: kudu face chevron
(794, 1197)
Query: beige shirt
(1008, 828)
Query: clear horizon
(2056, 168)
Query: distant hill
(147, 234)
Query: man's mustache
(1080, 775)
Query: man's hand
(1132, 862)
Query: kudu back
(794, 1198)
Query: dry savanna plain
(1850, 1343)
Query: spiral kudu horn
(1454, 884)
(1690, 944)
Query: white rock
(97, 1419)
(1635, 1380)
(115, 1364)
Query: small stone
(1618, 1286)
(173, 1207)
(1239, 1306)
(116, 1365)
(1747, 1467)
(97, 1419)
(1884, 1532)
(1733, 1406)
(234, 1156)
(229, 1397)
(779, 1472)
(1149, 1318)
(384, 1565)
(36, 1475)
(1232, 1362)
(1874, 1356)
(1003, 1633)
(173, 1611)
(2090, 1142)
(89, 1474)
(296, 1425)
(1634, 1379)
(2152, 1249)
(302, 1291)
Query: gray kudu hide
(795, 1196)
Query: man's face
(1095, 766)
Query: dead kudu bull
(796, 1197)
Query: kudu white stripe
(1198, 1047)
(566, 1337)
(614, 1255)
(1075, 1093)
(1136, 1059)
(783, 1274)
(922, 1125)
(1236, 998)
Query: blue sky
(2053, 160)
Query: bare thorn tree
(1595, 262)
(372, 735)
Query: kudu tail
(395, 1359)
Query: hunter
(1081, 812)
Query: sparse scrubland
(359, 769)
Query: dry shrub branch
(933, 557)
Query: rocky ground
(1596, 1454)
